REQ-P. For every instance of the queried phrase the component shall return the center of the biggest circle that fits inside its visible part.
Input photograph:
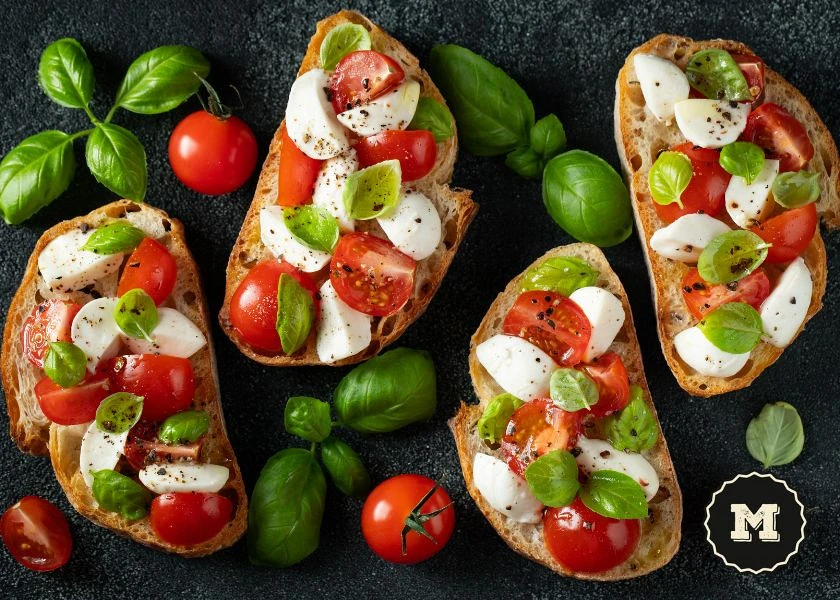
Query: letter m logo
(764, 520)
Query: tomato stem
(214, 105)
(416, 519)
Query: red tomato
(586, 542)
(790, 233)
(211, 155)
(297, 175)
(537, 427)
(610, 375)
(371, 275)
(48, 322)
(73, 405)
(189, 518)
(397, 501)
(707, 189)
(362, 76)
(780, 135)
(37, 534)
(143, 448)
(753, 69)
(253, 306)
(702, 297)
(551, 322)
(166, 383)
(416, 151)
(150, 268)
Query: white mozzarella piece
(100, 450)
(504, 490)
(174, 335)
(95, 331)
(342, 331)
(393, 110)
(685, 238)
(413, 225)
(748, 204)
(166, 478)
(65, 267)
(606, 317)
(663, 84)
(599, 455)
(310, 118)
(704, 357)
(279, 241)
(519, 367)
(329, 187)
(784, 310)
(711, 123)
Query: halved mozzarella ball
(174, 335)
(100, 450)
(280, 242)
(685, 238)
(65, 267)
(95, 331)
(342, 331)
(393, 110)
(711, 123)
(663, 84)
(749, 203)
(519, 367)
(413, 225)
(704, 357)
(504, 490)
(784, 310)
(166, 478)
(329, 187)
(606, 317)
(599, 455)
(310, 119)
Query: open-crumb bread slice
(454, 205)
(640, 138)
(660, 534)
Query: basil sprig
(561, 274)
(669, 176)
(716, 75)
(115, 492)
(136, 314)
(547, 139)
(494, 419)
(65, 364)
(341, 41)
(731, 256)
(346, 469)
(308, 418)
(433, 116)
(553, 478)
(117, 236)
(312, 226)
(184, 427)
(295, 314)
(615, 495)
(573, 390)
(742, 159)
(634, 428)
(119, 412)
(775, 437)
(372, 192)
(796, 189)
(734, 327)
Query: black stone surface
(566, 55)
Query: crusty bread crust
(454, 206)
(33, 432)
(661, 532)
(640, 138)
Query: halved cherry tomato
(537, 427)
(167, 383)
(150, 268)
(707, 189)
(790, 233)
(73, 405)
(586, 542)
(37, 534)
(702, 297)
(253, 307)
(143, 448)
(781, 136)
(371, 275)
(753, 69)
(362, 76)
(297, 174)
(189, 518)
(610, 375)
(48, 322)
(551, 322)
(416, 151)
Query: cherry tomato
(73, 405)
(297, 175)
(362, 76)
(37, 534)
(702, 297)
(586, 542)
(551, 322)
(790, 233)
(150, 268)
(143, 448)
(705, 193)
(753, 69)
(48, 322)
(253, 306)
(371, 275)
(210, 155)
(780, 135)
(189, 518)
(610, 375)
(537, 427)
(416, 151)
(166, 383)
(397, 501)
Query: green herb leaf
(615, 495)
(497, 413)
(775, 437)
(734, 327)
(547, 137)
(346, 469)
(634, 429)
(136, 314)
(308, 418)
(118, 161)
(561, 274)
(525, 163)
(65, 364)
(295, 314)
(117, 493)
(184, 427)
(341, 41)
(312, 226)
(731, 256)
(669, 176)
(553, 478)
(796, 189)
(433, 116)
(716, 75)
(117, 236)
(65, 74)
(743, 159)
(572, 390)
(374, 191)
(119, 412)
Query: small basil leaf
(494, 419)
(433, 116)
(615, 495)
(117, 493)
(346, 469)
(734, 327)
(184, 427)
(796, 189)
(634, 429)
(308, 418)
(731, 256)
(119, 412)
(553, 478)
(547, 137)
(716, 75)
(374, 191)
(136, 314)
(115, 237)
(65, 364)
(572, 390)
(295, 314)
(561, 274)
(118, 161)
(525, 163)
(65, 73)
(341, 41)
(669, 176)
(312, 226)
(775, 437)
(743, 159)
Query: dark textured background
(566, 55)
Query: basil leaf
(734, 327)
(118, 161)
(115, 492)
(184, 427)
(669, 176)
(775, 437)
(743, 159)
(312, 226)
(308, 418)
(374, 191)
(494, 419)
(615, 495)
(634, 429)
(731, 256)
(716, 75)
(161, 79)
(433, 116)
(119, 412)
(286, 509)
(295, 314)
(34, 173)
(388, 392)
(136, 314)
(65, 364)
(561, 274)
(553, 478)
(795, 189)
(346, 469)
(115, 237)
(525, 163)
(572, 390)
(65, 74)
(587, 198)
(341, 41)
(493, 113)
(547, 137)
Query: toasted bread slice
(661, 532)
(33, 432)
(454, 205)
(640, 138)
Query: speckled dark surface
(566, 55)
